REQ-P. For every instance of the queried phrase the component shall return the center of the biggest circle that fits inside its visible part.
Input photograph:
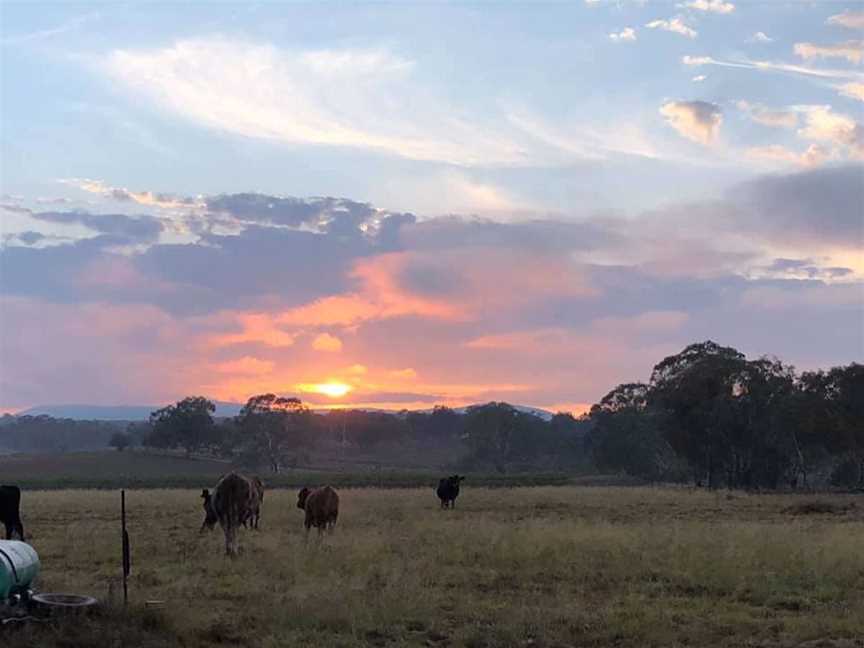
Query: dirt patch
(818, 507)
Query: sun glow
(332, 388)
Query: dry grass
(509, 567)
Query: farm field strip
(543, 566)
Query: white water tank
(19, 567)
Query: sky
(400, 205)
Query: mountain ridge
(80, 411)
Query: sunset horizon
(372, 212)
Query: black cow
(448, 491)
(10, 511)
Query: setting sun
(332, 388)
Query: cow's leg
(231, 540)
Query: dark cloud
(536, 235)
(122, 228)
(233, 271)
(29, 238)
(289, 251)
(807, 267)
(337, 216)
(819, 206)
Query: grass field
(546, 566)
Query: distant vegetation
(711, 415)
(707, 415)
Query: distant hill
(114, 412)
(142, 412)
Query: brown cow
(255, 514)
(321, 506)
(231, 504)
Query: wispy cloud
(675, 25)
(713, 6)
(761, 37)
(852, 90)
(625, 35)
(772, 66)
(354, 98)
(767, 117)
(852, 51)
(44, 34)
(147, 198)
(849, 18)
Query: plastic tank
(19, 567)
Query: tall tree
(272, 427)
(498, 434)
(693, 391)
(838, 397)
(187, 424)
(625, 436)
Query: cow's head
(301, 497)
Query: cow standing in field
(255, 513)
(231, 504)
(321, 506)
(448, 491)
(10, 511)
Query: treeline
(42, 433)
(711, 415)
(280, 432)
(707, 415)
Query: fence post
(127, 560)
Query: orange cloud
(247, 365)
(327, 343)
(256, 327)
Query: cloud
(26, 238)
(247, 365)
(699, 77)
(761, 37)
(800, 269)
(822, 205)
(147, 198)
(771, 66)
(116, 229)
(767, 117)
(852, 51)
(852, 90)
(444, 310)
(850, 19)
(822, 124)
(327, 343)
(44, 34)
(628, 34)
(675, 25)
(364, 98)
(713, 6)
(698, 121)
(814, 156)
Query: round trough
(63, 602)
